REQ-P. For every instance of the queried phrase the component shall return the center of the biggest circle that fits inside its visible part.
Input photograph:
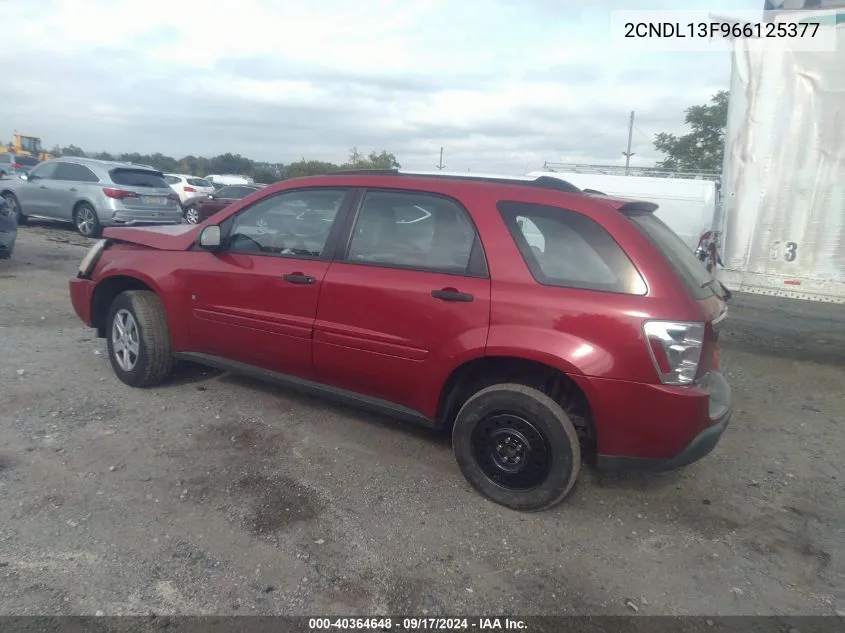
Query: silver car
(92, 194)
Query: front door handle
(43, 187)
(299, 278)
(451, 294)
(73, 189)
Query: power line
(645, 136)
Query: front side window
(293, 223)
(565, 248)
(413, 230)
(45, 171)
(75, 173)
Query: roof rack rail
(369, 171)
(546, 182)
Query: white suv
(187, 186)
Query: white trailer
(687, 205)
(230, 179)
(783, 220)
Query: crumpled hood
(171, 237)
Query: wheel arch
(559, 380)
(79, 203)
(108, 288)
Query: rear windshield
(27, 161)
(691, 271)
(199, 182)
(138, 178)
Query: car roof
(102, 164)
(546, 186)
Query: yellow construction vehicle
(26, 146)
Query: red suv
(540, 323)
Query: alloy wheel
(126, 340)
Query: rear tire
(14, 204)
(138, 339)
(86, 221)
(517, 447)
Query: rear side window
(228, 193)
(568, 249)
(199, 182)
(172, 180)
(691, 271)
(240, 192)
(417, 231)
(138, 178)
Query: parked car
(8, 230)
(187, 186)
(419, 296)
(92, 194)
(198, 208)
(12, 165)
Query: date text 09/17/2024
(710, 30)
(418, 624)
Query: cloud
(501, 85)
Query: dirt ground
(218, 494)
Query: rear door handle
(73, 189)
(299, 278)
(451, 294)
(43, 187)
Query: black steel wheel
(517, 447)
(511, 451)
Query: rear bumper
(700, 446)
(682, 429)
(115, 215)
(127, 219)
(81, 291)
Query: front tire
(192, 215)
(86, 221)
(14, 204)
(517, 447)
(139, 339)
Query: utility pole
(440, 165)
(629, 153)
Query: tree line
(699, 150)
(229, 163)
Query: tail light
(17, 165)
(173, 197)
(190, 190)
(119, 194)
(676, 350)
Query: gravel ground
(217, 494)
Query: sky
(501, 85)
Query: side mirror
(211, 196)
(211, 238)
(24, 176)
